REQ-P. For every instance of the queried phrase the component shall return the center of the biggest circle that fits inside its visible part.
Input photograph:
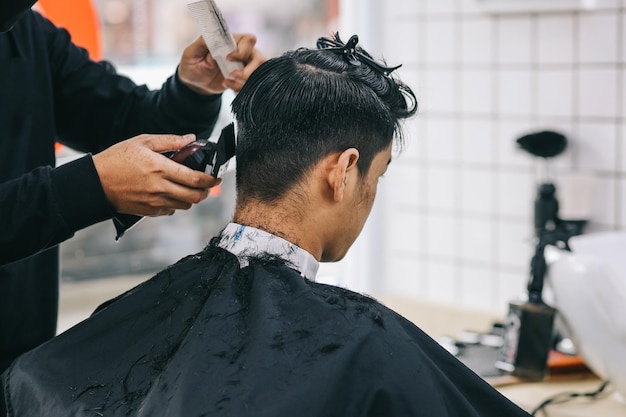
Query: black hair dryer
(528, 335)
(545, 144)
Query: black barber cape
(206, 337)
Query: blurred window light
(156, 31)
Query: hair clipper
(200, 155)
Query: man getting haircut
(242, 328)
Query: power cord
(568, 396)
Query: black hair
(306, 104)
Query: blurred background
(453, 222)
(154, 32)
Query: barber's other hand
(199, 71)
(138, 179)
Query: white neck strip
(247, 242)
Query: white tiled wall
(458, 203)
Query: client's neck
(275, 219)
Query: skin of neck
(309, 214)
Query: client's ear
(343, 169)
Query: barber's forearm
(42, 208)
(79, 194)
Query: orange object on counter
(560, 363)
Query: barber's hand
(199, 71)
(137, 179)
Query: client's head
(315, 132)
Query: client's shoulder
(353, 306)
(363, 309)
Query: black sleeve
(47, 206)
(95, 107)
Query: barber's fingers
(164, 198)
(165, 143)
(245, 47)
(197, 49)
(187, 177)
(251, 57)
(236, 79)
(175, 171)
(173, 197)
(138, 179)
(158, 165)
(196, 56)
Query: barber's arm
(48, 205)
